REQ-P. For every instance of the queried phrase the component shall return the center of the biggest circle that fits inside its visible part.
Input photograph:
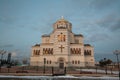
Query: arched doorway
(61, 62)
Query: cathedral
(62, 48)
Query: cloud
(43, 25)
(97, 37)
(115, 26)
(99, 5)
(103, 4)
(7, 19)
(6, 46)
(111, 22)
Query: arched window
(71, 50)
(52, 51)
(87, 52)
(75, 62)
(46, 51)
(90, 52)
(47, 62)
(34, 52)
(50, 61)
(78, 62)
(72, 62)
(79, 51)
(76, 50)
(43, 50)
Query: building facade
(62, 48)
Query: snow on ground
(101, 78)
(57, 77)
(98, 71)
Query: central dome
(62, 24)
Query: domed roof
(87, 45)
(78, 35)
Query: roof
(46, 35)
(36, 45)
(87, 45)
(78, 35)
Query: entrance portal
(61, 65)
(61, 62)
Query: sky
(23, 22)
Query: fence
(57, 70)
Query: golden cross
(61, 47)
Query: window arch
(72, 62)
(78, 62)
(50, 61)
(47, 62)
(75, 62)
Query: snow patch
(58, 77)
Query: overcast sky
(22, 22)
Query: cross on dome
(62, 17)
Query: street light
(117, 52)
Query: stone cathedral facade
(62, 48)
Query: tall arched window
(50, 61)
(72, 62)
(75, 62)
(78, 62)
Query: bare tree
(2, 52)
(25, 61)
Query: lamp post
(117, 52)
